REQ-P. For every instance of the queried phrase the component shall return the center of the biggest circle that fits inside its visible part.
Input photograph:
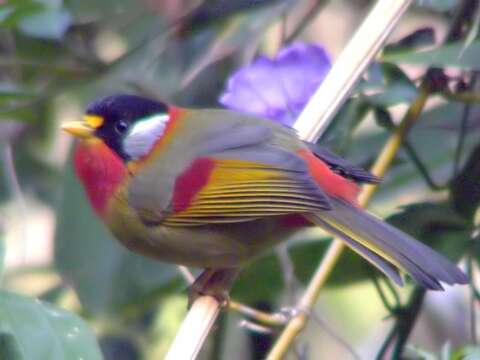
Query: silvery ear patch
(143, 135)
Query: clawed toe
(215, 283)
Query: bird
(215, 189)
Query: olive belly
(204, 246)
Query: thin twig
(386, 344)
(467, 97)
(186, 274)
(406, 320)
(254, 327)
(290, 282)
(381, 294)
(394, 293)
(472, 305)
(463, 130)
(263, 317)
(415, 158)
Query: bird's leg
(213, 282)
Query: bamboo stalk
(312, 122)
(195, 328)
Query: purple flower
(278, 88)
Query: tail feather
(383, 265)
(387, 247)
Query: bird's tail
(388, 248)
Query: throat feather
(101, 172)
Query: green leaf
(383, 118)
(437, 5)
(468, 352)
(11, 12)
(418, 38)
(452, 55)
(346, 121)
(49, 23)
(234, 35)
(53, 4)
(11, 91)
(387, 86)
(209, 12)
(5, 13)
(105, 275)
(32, 329)
(9, 347)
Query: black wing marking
(342, 166)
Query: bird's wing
(235, 189)
(342, 166)
(232, 170)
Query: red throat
(101, 172)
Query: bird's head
(129, 125)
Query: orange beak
(78, 129)
(83, 129)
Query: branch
(312, 122)
(194, 329)
(467, 97)
(265, 318)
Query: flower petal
(278, 89)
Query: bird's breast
(101, 172)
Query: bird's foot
(215, 283)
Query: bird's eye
(121, 126)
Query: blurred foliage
(447, 353)
(55, 52)
(31, 329)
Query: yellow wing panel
(239, 191)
